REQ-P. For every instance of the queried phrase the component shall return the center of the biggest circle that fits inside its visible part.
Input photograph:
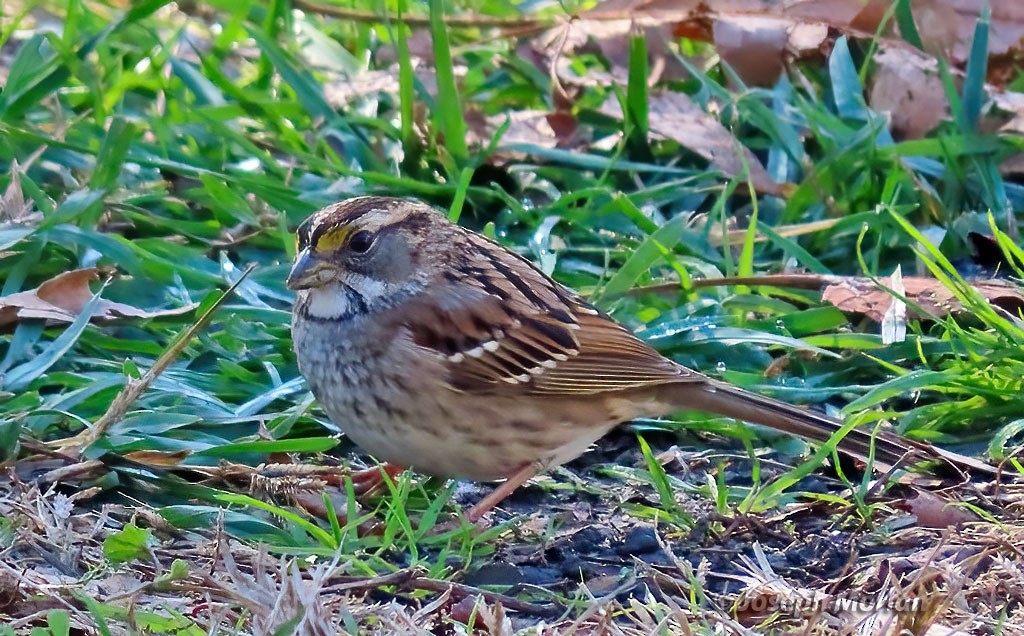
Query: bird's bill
(308, 271)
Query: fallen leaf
(675, 116)
(529, 127)
(14, 209)
(1010, 106)
(906, 85)
(158, 459)
(343, 92)
(864, 296)
(932, 511)
(611, 39)
(949, 25)
(748, 33)
(479, 615)
(1013, 167)
(62, 298)
(755, 37)
(754, 47)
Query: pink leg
(499, 494)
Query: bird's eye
(361, 241)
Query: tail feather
(884, 448)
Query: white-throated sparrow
(434, 348)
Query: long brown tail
(890, 449)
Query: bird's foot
(493, 498)
(371, 481)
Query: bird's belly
(437, 437)
(416, 420)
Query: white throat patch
(361, 293)
(329, 301)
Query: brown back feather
(517, 328)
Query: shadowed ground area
(590, 545)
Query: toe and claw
(373, 480)
(500, 493)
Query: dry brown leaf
(932, 511)
(748, 33)
(906, 85)
(676, 116)
(755, 37)
(342, 92)
(1011, 106)
(62, 298)
(610, 38)
(158, 459)
(863, 16)
(754, 46)
(530, 127)
(948, 25)
(864, 296)
(14, 209)
(1014, 166)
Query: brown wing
(504, 325)
(610, 359)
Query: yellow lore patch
(333, 239)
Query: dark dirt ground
(816, 543)
(810, 545)
(584, 549)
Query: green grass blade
(905, 20)
(448, 115)
(977, 66)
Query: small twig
(412, 579)
(462, 591)
(563, 97)
(74, 471)
(458, 22)
(363, 584)
(134, 388)
(794, 281)
(34, 446)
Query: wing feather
(502, 325)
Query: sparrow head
(366, 240)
